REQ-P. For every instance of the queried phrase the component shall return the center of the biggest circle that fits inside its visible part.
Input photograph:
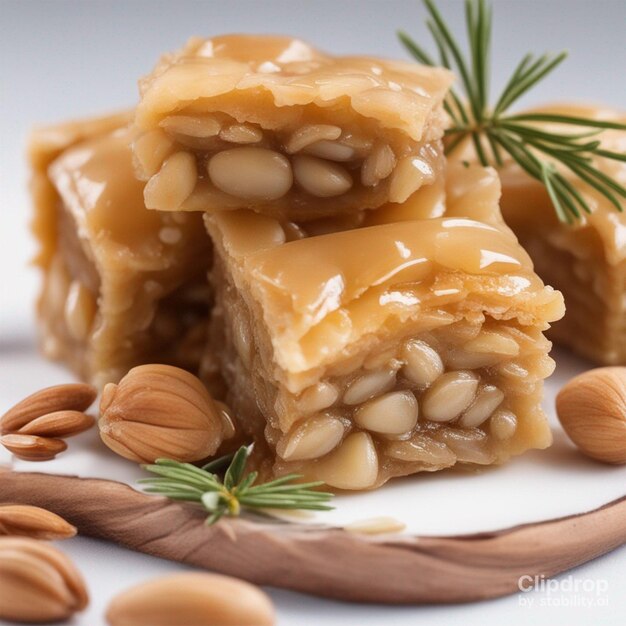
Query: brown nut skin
(58, 424)
(70, 397)
(192, 599)
(31, 521)
(32, 447)
(592, 410)
(38, 583)
(160, 411)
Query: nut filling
(232, 122)
(122, 285)
(356, 356)
(280, 172)
(396, 426)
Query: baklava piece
(585, 260)
(274, 125)
(122, 285)
(356, 356)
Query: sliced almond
(34, 522)
(58, 424)
(70, 397)
(31, 447)
(192, 599)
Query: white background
(61, 59)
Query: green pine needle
(493, 131)
(184, 481)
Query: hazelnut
(592, 411)
(160, 411)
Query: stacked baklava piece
(585, 260)
(285, 220)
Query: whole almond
(70, 397)
(38, 583)
(160, 411)
(32, 521)
(192, 599)
(592, 410)
(58, 424)
(32, 447)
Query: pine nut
(469, 446)
(321, 178)
(378, 165)
(191, 125)
(361, 145)
(421, 449)
(369, 386)
(449, 396)
(251, 173)
(460, 359)
(330, 150)
(312, 133)
(392, 414)
(376, 526)
(423, 363)
(150, 150)
(513, 371)
(382, 358)
(503, 425)
(173, 184)
(410, 174)
(493, 343)
(80, 310)
(314, 438)
(317, 398)
(486, 402)
(354, 465)
(241, 133)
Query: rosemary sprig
(183, 481)
(524, 137)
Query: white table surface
(68, 58)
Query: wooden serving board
(324, 560)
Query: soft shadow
(564, 455)
(19, 343)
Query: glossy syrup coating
(333, 134)
(407, 345)
(115, 272)
(585, 260)
(342, 286)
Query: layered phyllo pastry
(274, 125)
(122, 285)
(409, 345)
(585, 260)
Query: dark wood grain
(322, 560)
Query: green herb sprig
(183, 481)
(494, 132)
